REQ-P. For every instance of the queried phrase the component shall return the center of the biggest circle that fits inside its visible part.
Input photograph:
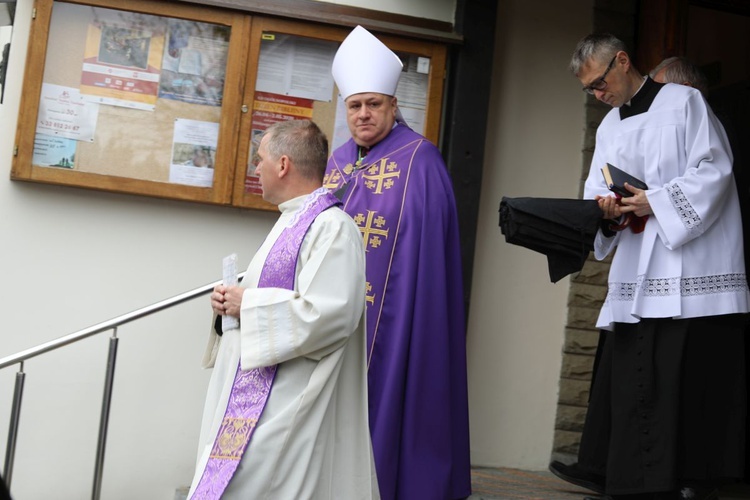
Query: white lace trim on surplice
(662, 287)
(687, 214)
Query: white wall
(517, 317)
(439, 10)
(70, 258)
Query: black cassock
(562, 229)
(642, 431)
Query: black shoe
(574, 475)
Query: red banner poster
(269, 109)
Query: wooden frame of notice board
(164, 99)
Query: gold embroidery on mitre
(381, 175)
(372, 228)
(232, 437)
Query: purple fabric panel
(415, 319)
(246, 402)
(281, 264)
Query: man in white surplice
(312, 439)
(668, 401)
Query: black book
(616, 179)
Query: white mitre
(364, 64)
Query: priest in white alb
(286, 411)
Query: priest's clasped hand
(614, 206)
(637, 204)
(227, 300)
(610, 206)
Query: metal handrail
(111, 324)
(106, 325)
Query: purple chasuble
(251, 388)
(401, 197)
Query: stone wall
(587, 292)
(589, 287)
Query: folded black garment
(562, 229)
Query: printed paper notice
(54, 151)
(193, 152)
(412, 91)
(229, 273)
(64, 113)
(296, 66)
(194, 64)
(122, 64)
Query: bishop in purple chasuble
(400, 195)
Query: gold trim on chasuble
(378, 178)
(334, 179)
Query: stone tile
(570, 418)
(586, 295)
(579, 341)
(567, 442)
(577, 366)
(574, 392)
(594, 272)
(583, 318)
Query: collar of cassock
(641, 101)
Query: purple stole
(251, 388)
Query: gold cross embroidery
(370, 299)
(332, 180)
(371, 234)
(381, 175)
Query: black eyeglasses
(599, 83)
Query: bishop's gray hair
(598, 46)
(683, 71)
